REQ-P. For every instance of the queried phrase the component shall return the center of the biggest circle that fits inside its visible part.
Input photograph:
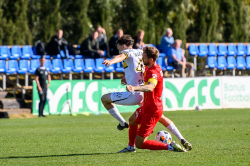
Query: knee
(104, 98)
(132, 121)
(138, 144)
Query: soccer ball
(198, 108)
(163, 137)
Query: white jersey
(133, 67)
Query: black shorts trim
(121, 99)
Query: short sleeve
(172, 51)
(36, 72)
(151, 76)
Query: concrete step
(17, 111)
(12, 103)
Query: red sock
(154, 145)
(132, 134)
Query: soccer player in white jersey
(134, 69)
(132, 63)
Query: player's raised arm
(144, 88)
(116, 59)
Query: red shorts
(147, 121)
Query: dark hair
(97, 27)
(151, 52)
(94, 31)
(126, 39)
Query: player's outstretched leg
(133, 126)
(111, 108)
(174, 130)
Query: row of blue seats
(58, 66)
(230, 63)
(211, 50)
(27, 53)
(66, 66)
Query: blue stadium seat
(99, 67)
(26, 52)
(193, 49)
(241, 49)
(162, 55)
(47, 65)
(212, 50)
(23, 66)
(4, 52)
(12, 67)
(34, 64)
(58, 56)
(161, 62)
(222, 50)
(78, 56)
(67, 65)
(240, 63)
(56, 66)
(221, 63)
(231, 63)
(78, 66)
(248, 62)
(202, 50)
(89, 65)
(248, 50)
(169, 68)
(2, 66)
(153, 45)
(34, 50)
(15, 52)
(231, 50)
(35, 56)
(119, 67)
(211, 62)
(109, 69)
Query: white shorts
(127, 98)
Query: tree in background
(134, 16)
(50, 19)
(22, 34)
(1, 23)
(179, 24)
(75, 22)
(206, 21)
(159, 20)
(26, 21)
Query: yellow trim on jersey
(126, 55)
(125, 65)
(153, 80)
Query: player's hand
(130, 88)
(107, 63)
(40, 89)
(123, 81)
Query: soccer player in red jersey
(152, 109)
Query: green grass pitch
(219, 137)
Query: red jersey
(152, 100)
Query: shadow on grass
(63, 155)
